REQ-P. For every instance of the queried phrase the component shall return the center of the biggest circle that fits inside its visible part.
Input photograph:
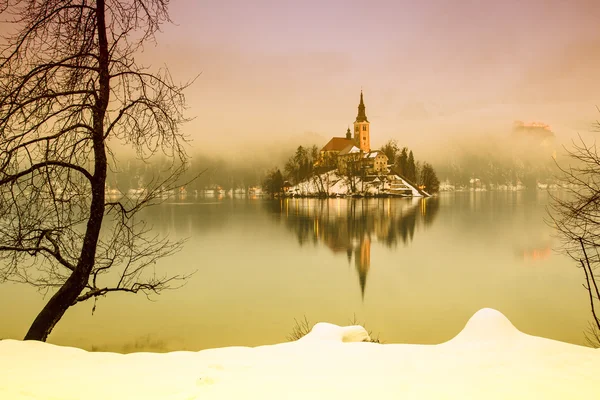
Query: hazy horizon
(433, 71)
(272, 75)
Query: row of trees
(202, 172)
(403, 160)
(498, 161)
(301, 166)
(491, 169)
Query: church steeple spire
(348, 134)
(361, 127)
(362, 116)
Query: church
(355, 151)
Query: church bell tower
(361, 128)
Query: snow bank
(489, 359)
(326, 331)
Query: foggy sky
(275, 72)
(429, 69)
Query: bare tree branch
(574, 213)
(69, 89)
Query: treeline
(499, 164)
(299, 167)
(494, 172)
(202, 172)
(403, 161)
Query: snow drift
(489, 359)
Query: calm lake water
(412, 270)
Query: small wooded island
(348, 167)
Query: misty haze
(297, 198)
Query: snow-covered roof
(489, 359)
(350, 149)
(374, 153)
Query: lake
(412, 270)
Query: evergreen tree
(273, 182)
(391, 150)
(429, 179)
(402, 161)
(411, 168)
(301, 166)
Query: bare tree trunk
(56, 307)
(67, 295)
(57, 75)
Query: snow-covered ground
(489, 359)
(333, 184)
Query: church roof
(337, 144)
(351, 148)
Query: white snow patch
(489, 359)
(327, 331)
(332, 183)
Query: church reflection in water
(351, 225)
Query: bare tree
(351, 169)
(70, 89)
(575, 214)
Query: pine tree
(273, 182)
(391, 150)
(402, 161)
(411, 168)
(429, 179)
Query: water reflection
(421, 281)
(187, 218)
(350, 226)
(539, 253)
